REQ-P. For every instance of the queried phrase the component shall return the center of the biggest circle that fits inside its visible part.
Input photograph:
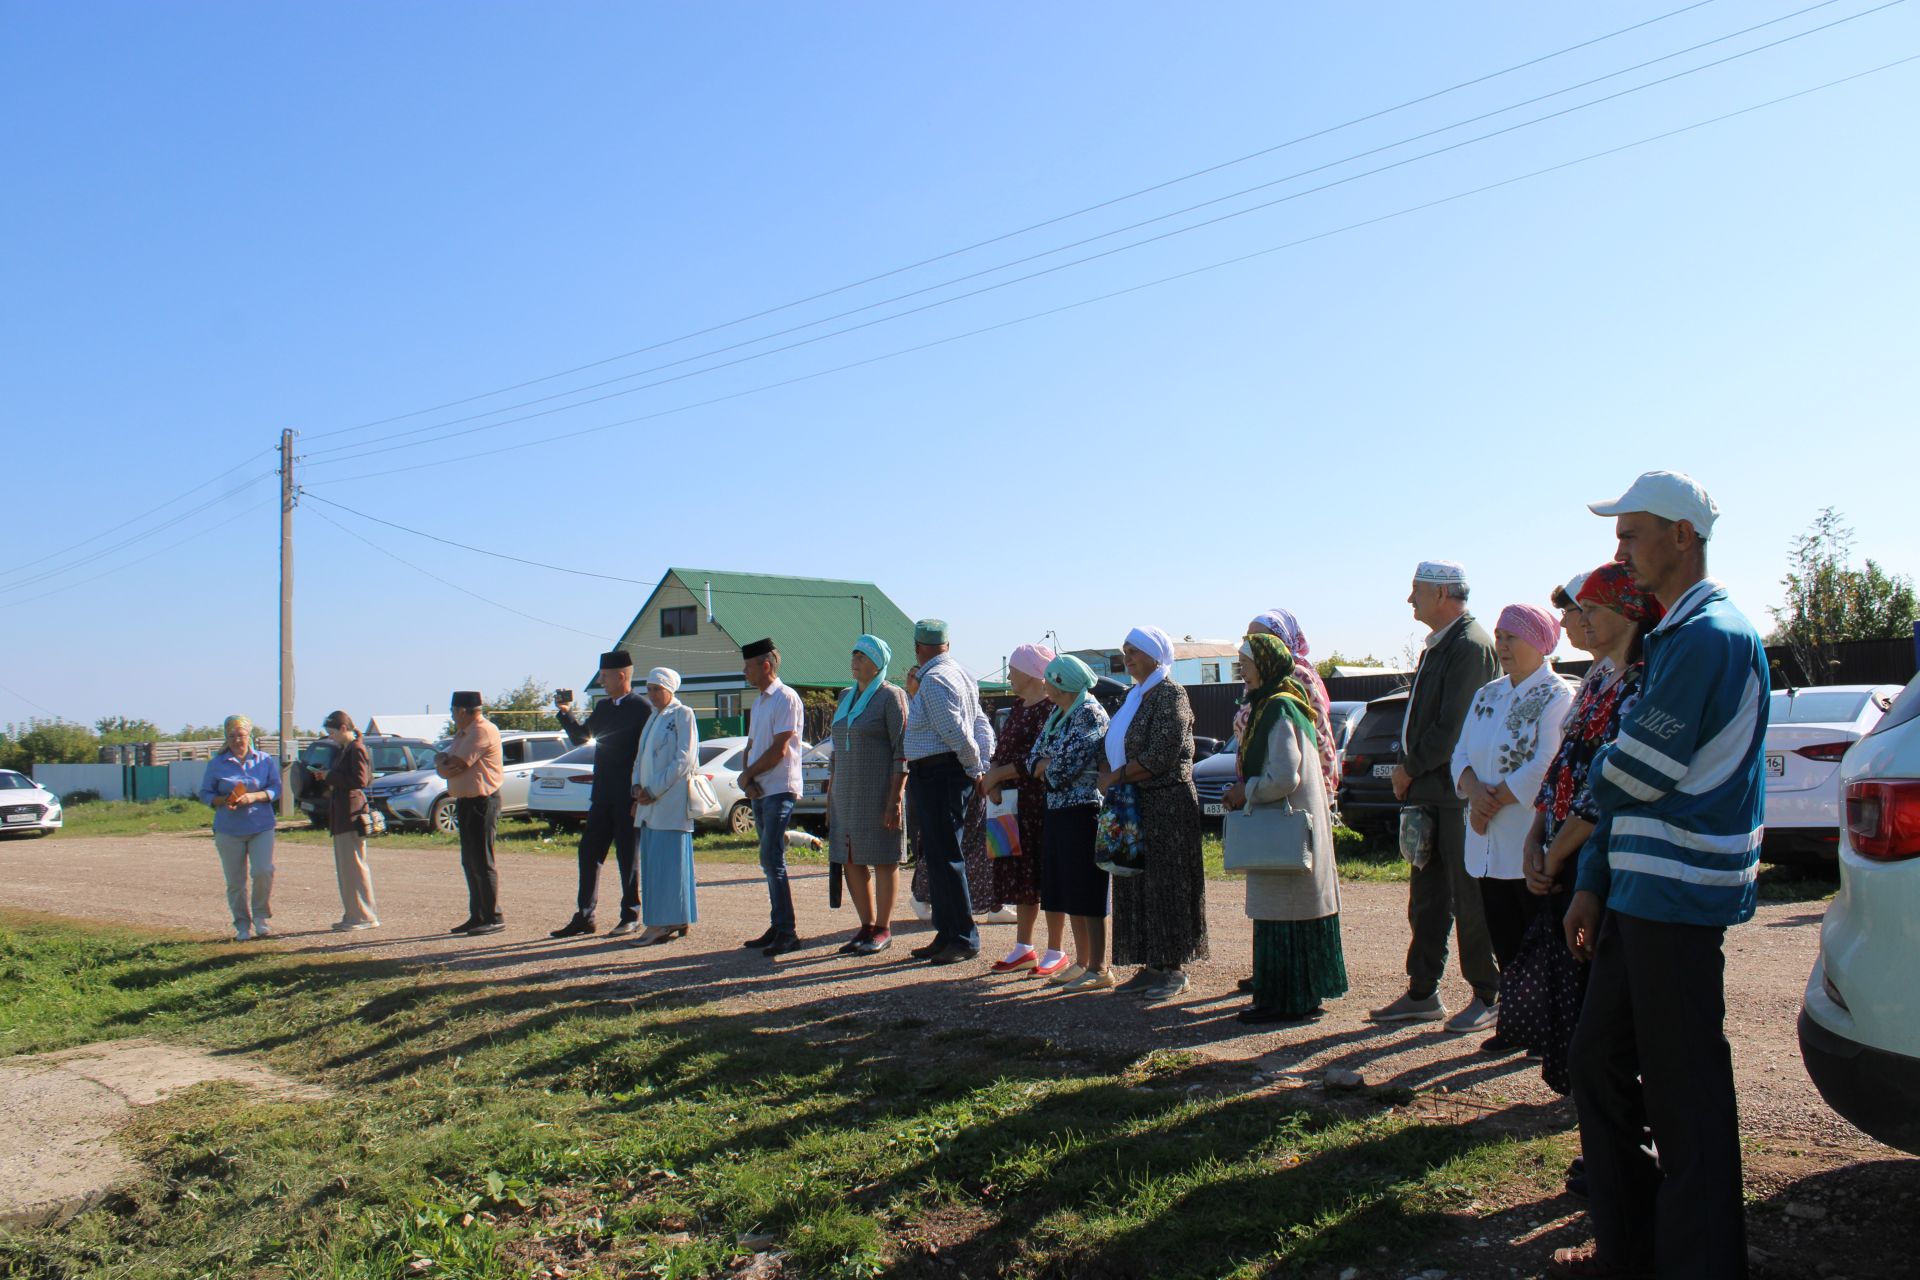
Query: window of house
(1116, 664)
(681, 620)
(1209, 673)
(726, 704)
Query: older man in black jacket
(1458, 659)
(614, 727)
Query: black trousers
(478, 816)
(1441, 899)
(609, 825)
(1651, 1052)
(1508, 905)
(937, 790)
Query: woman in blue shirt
(243, 786)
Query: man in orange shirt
(471, 766)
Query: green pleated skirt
(1297, 964)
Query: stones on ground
(63, 1109)
(1343, 1078)
(1806, 1212)
(750, 1240)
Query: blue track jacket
(1682, 790)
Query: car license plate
(816, 788)
(552, 784)
(1214, 810)
(1776, 764)
(1383, 771)
(20, 817)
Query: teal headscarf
(1069, 675)
(855, 699)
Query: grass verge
(480, 1129)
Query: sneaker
(1101, 981)
(1168, 987)
(1042, 969)
(1139, 983)
(1408, 1009)
(261, 929)
(624, 928)
(1584, 1264)
(465, 926)
(1003, 915)
(1028, 959)
(874, 943)
(851, 947)
(243, 934)
(354, 926)
(1477, 1016)
(492, 926)
(578, 927)
(1066, 975)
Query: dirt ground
(1805, 1163)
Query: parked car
(389, 755)
(26, 806)
(1808, 731)
(810, 810)
(1366, 777)
(559, 791)
(1860, 1017)
(1212, 777)
(419, 798)
(1343, 718)
(1206, 748)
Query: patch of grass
(127, 818)
(1795, 883)
(487, 1129)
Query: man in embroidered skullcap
(614, 727)
(1457, 659)
(472, 766)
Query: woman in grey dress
(865, 786)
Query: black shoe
(954, 955)
(1258, 1017)
(492, 926)
(764, 940)
(465, 926)
(932, 949)
(1245, 984)
(1577, 1185)
(1500, 1046)
(782, 943)
(577, 927)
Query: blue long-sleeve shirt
(255, 771)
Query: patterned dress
(1017, 880)
(1160, 915)
(1542, 990)
(867, 756)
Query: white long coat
(669, 753)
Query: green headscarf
(855, 699)
(1069, 675)
(1279, 695)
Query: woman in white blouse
(669, 750)
(1511, 734)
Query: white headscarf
(666, 677)
(1158, 645)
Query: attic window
(682, 620)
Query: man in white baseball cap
(1681, 795)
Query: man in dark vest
(1441, 895)
(614, 728)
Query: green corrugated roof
(814, 620)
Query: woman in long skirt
(669, 752)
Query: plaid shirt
(945, 716)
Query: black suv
(307, 775)
(1366, 780)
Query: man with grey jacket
(1442, 896)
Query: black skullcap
(467, 698)
(758, 649)
(615, 660)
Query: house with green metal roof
(696, 620)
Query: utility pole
(287, 493)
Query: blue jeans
(770, 814)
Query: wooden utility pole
(287, 493)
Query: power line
(1118, 249)
(30, 702)
(1009, 235)
(1149, 284)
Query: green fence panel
(147, 782)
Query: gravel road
(174, 882)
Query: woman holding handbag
(350, 822)
(1297, 957)
(866, 786)
(663, 809)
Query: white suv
(1860, 1019)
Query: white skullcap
(1445, 572)
(666, 677)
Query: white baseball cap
(1671, 495)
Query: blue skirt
(666, 878)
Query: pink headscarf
(1531, 623)
(1031, 659)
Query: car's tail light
(1823, 751)
(1357, 762)
(1883, 819)
(579, 777)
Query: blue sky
(225, 219)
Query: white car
(1860, 1018)
(25, 805)
(1808, 731)
(419, 798)
(560, 790)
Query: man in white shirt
(772, 783)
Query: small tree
(47, 742)
(115, 729)
(528, 705)
(1338, 659)
(1829, 602)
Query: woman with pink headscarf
(1511, 736)
(1016, 881)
